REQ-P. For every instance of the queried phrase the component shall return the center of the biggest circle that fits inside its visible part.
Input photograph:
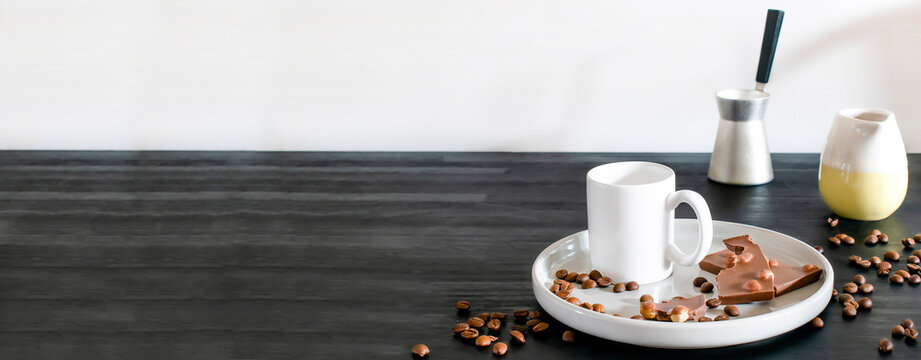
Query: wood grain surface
(242, 255)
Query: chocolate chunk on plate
(748, 278)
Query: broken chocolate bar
(748, 277)
(786, 277)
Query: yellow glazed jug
(864, 170)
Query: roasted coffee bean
(587, 305)
(520, 314)
(903, 273)
(841, 236)
(569, 336)
(883, 238)
(834, 241)
(850, 288)
(462, 305)
(498, 315)
(555, 288)
(588, 284)
(913, 260)
(633, 286)
(875, 260)
(620, 287)
(848, 240)
(884, 265)
(892, 255)
(700, 280)
(594, 275)
(917, 253)
(908, 324)
(866, 264)
(520, 328)
(562, 294)
(459, 328)
(517, 336)
(637, 317)
(484, 316)
(482, 341)
(469, 334)
(820, 249)
(713, 303)
(885, 346)
(871, 240)
(898, 331)
(599, 308)
(849, 311)
(476, 322)
(866, 288)
(859, 279)
(706, 287)
(865, 303)
(911, 336)
(914, 279)
(917, 237)
(533, 314)
(852, 303)
(571, 277)
(499, 349)
(882, 272)
(704, 319)
(817, 323)
(853, 259)
(896, 279)
(420, 350)
(913, 268)
(618, 315)
(875, 232)
(540, 327)
(582, 277)
(533, 322)
(832, 222)
(561, 274)
(575, 301)
(844, 297)
(494, 324)
(604, 281)
(645, 298)
(731, 310)
(721, 317)
(567, 287)
(908, 242)
(834, 292)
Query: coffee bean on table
(903, 273)
(469, 334)
(459, 328)
(884, 265)
(817, 323)
(845, 297)
(569, 336)
(866, 288)
(850, 288)
(871, 239)
(820, 249)
(885, 346)
(700, 280)
(476, 322)
(482, 341)
(713, 302)
(594, 275)
(883, 238)
(645, 298)
(497, 315)
(588, 284)
(493, 338)
(484, 316)
(834, 292)
(731, 310)
(913, 268)
(917, 253)
(849, 311)
(517, 336)
(494, 325)
(859, 279)
(892, 255)
(913, 259)
(908, 324)
(908, 242)
(866, 264)
(582, 277)
(520, 314)
(571, 277)
(462, 305)
(499, 349)
(632, 285)
(561, 274)
(834, 241)
(848, 240)
(853, 259)
(898, 331)
(721, 317)
(706, 287)
(875, 232)
(832, 222)
(519, 328)
(540, 327)
(882, 272)
(875, 260)
(911, 336)
(420, 350)
(620, 287)
(852, 303)
(533, 314)
(896, 279)
(604, 281)
(914, 279)
(533, 322)
(865, 303)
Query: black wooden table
(237, 255)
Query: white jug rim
(868, 115)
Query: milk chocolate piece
(748, 276)
(715, 262)
(786, 277)
(696, 304)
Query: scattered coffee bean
(599, 308)
(883, 238)
(575, 301)
(499, 349)
(533, 322)
(834, 292)
(913, 260)
(908, 242)
(569, 336)
(914, 279)
(494, 325)
(844, 297)
(866, 288)
(589, 284)
(820, 249)
(848, 240)
(420, 350)
(645, 298)
(834, 241)
(875, 260)
(884, 265)
(850, 288)
(594, 274)
(571, 277)
(704, 319)
(561, 274)
(913, 268)
(520, 328)
(917, 253)
(832, 222)
(712, 303)
(620, 287)
(517, 336)
(555, 288)
(849, 311)
(706, 287)
(892, 255)
(582, 277)
(604, 281)
(633, 285)
(817, 323)
(885, 346)
(853, 259)
(871, 240)
(882, 272)
(498, 315)
(875, 232)
(476, 322)
(469, 334)
(865, 303)
(852, 303)
(533, 314)
(462, 305)
(896, 279)
(898, 331)
(902, 273)
(908, 324)
(731, 310)
(721, 317)
(482, 341)
(859, 279)
(459, 328)
(637, 317)
(700, 280)
(587, 305)
(917, 237)
(866, 264)
(540, 327)
(520, 314)
(911, 336)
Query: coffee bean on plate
(859, 279)
(517, 336)
(483, 341)
(721, 317)
(865, 303)
(540, 327)
(713, 302)
(604, 281)
(469, 334)
(569, 336)
(645, 298)
(892, 255)
(706, 287)
(820, 249)
(914, 279)
(885, 346)
(849, 311)
(561, 274)
(575, 301)
(594, 275)
(571, 277)
(533, 314)
(832, 222)
(866, 264)
(632, 285)
(884, 265)
(620, 287)
(520, 314)
(637, 317)
(845, 297)
(871, 240)
(588, 284)
(817, 323)
(494, 324)
(908, 324)
(898, 331)
(731, 310)
(599, 308)
(866, 288)
(850, 288)
(533, 322)
(587, 305)
(896, 279)
(700, 280)
(555, 288)
(704, 319)
(908, 242)
(420, 350)
(459, 328)
(913, 260)
(875, 260)
(520, 328)
(853, 259)
(582, 277)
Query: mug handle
(705, 227)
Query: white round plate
(758, 321)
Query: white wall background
(482, 75)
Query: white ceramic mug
(631, 220)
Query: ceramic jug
(864, 170)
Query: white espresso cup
(631, 221)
